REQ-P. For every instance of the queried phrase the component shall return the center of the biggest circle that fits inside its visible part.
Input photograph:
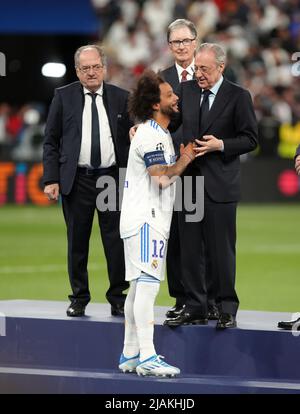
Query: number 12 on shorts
(158, 248)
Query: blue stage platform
(44, 351)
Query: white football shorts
(146, 252)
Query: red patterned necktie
(184, 75)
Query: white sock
(131, 344)
(147, 288)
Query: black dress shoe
(226, 321)
(117, 310)
(213, 313)
(76, 309)
(186, 318)
(290, 325)
(175, 311)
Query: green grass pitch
(33, 257)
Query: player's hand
(297, 164)
(209, 143)
(52, 192)
(132, 131)
(188, 151)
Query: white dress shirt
(213, 92)
(108, 157)
(189, 69)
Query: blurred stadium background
(262, 38)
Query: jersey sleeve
(151, 148)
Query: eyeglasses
(204, 69)
(184, 42)
(86, 69)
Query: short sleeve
(151, 148)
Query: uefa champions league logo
(160, 147)
(2, 64)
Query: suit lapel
(221, 100)
(111, 109)
(174, 81)
(78, 103)
(193, 97)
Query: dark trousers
(219, 231)
(207, 256)
(79, 208)
(174, 272)
(192, 264)
(174, 267)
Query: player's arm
(165, 175)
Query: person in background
(182, 37)
(86, 137)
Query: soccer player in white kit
(146, 213)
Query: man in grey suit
(86, 137)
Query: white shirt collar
(216, 86)
(189, 69)
(99, 91)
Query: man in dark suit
(219, 115)
(181, 37)
(295, 323)
(86, 137)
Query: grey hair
(218, 51)
(181, 23)
(82, 48)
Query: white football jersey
(143, 202)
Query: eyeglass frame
(86, 69)
(205, 70)
(179, 42)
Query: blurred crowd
(21, 131)
(261, 37)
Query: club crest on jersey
(160, 147)
(154, 264)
